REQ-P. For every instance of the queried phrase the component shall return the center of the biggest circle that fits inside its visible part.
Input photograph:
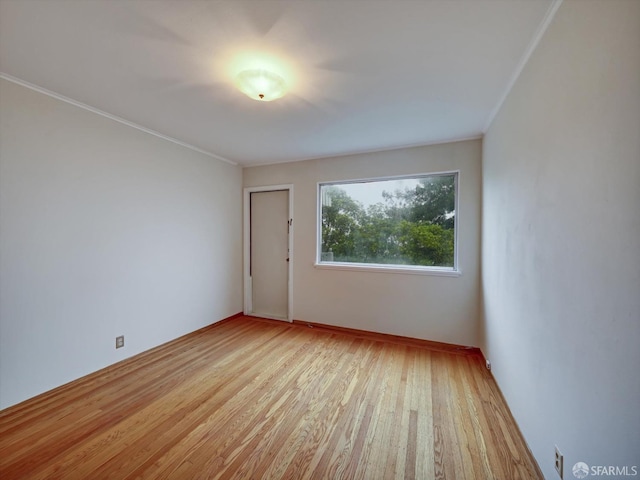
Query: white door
(269, 254)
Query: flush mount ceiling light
(261, 85)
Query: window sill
(379, 268)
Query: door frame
(248, 285)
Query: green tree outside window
(410, 226)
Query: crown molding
(115, 118)
(542, 28)
(364, 152)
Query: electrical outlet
(120, 341)
(559, 462)
(488, 365)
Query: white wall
(429, 307)
(104, 231)
(561, 239)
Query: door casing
(248, 289)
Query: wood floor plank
(259, 399)
(145, 395)
(343, 418)
(238, 410)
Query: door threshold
(269, 317)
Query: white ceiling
(365, 74)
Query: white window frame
(390, 268)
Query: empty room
(308, 239)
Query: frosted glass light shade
(261, 85)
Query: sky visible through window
(370, 193)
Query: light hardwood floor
(257, 399)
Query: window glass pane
(408, 221)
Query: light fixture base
(261, 85)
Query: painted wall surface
(420, 306)
(104, 231)
(561, 239)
